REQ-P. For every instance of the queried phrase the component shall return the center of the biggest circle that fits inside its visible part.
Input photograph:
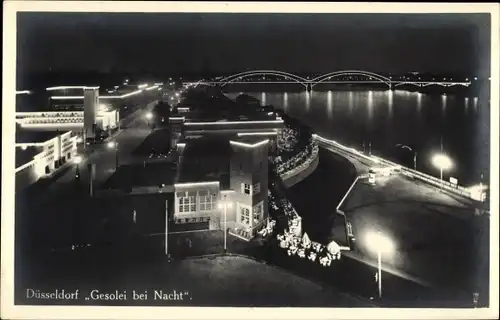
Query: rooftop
(236, 114)
(30, 136)
(250, 140)
(206, 160)
(139, 175)
(205, 107)
(24, 156)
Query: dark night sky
(235, 42)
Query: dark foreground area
(210, 281)
(276, 280)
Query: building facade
(43, 158)
(66, 120)
(90, 106)
(249, 180)
(242, 206)
(197, 202)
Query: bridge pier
(308, 87)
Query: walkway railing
(306, 163)
(299, 160)
(458, 190)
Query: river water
(387, 118)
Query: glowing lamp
(379, 243)
(442, 162)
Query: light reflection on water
(369, 105)
(390, 117)
(444, 100)
(419, 104)
(329, 104)
(390, 103)
(351, 102)
(308, 100)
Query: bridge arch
(335, 74)
(286, 75)
(202, 83)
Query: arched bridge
(344, 76)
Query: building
(222, 174)
(40, 154)
(249, 180)
(96, 110)
(215, 172)
(69, 111)
(90, 106)
(29, 166)
(67, 120)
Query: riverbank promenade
(438, 237)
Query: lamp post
(380, 244)
(403, 146)
(149, 116)
(369, 147)
(224, 204)
(114, 145)
(442, 162)
(77, 160)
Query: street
(438, 239)
(61, 202)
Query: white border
(9, 62)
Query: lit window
(257, 212)
(245, 215)
(256, 188)
(187, 204)
(207, 202)
(247, 188)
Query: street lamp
(403, 146)
(77, 160)
(149, 116)
(442, 162)
(114, 145)
(224, 204)
(380, 244)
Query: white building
(235, 178)
(66, 120)
(222, 172)
(40, 154)
(90, 106)
(90, 112)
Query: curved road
(316, 199)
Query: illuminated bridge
(339, 77)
